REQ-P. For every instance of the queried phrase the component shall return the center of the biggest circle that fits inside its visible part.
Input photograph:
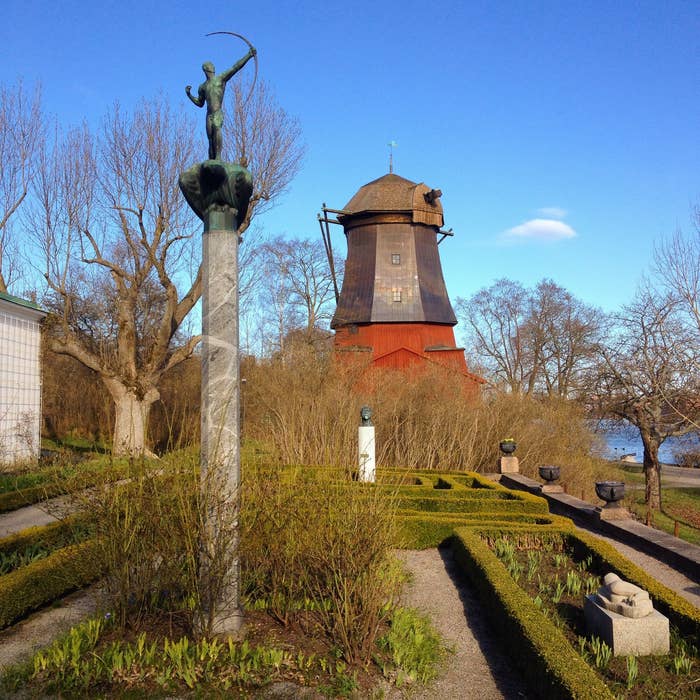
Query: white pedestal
(220, 416)
(365, 445)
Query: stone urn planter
(549, 473)
(610, 491)
(508, 463)
(507, 446)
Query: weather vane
(392, 145)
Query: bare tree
(114, 229)
(677, 266)
(266, 140)
(566, 334)
(117, 237)
(21, 136)
(647, 368)
(532, 341)
(496, 319)
(278, 315)
(298, 288)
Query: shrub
(309, 411)
(339, 567)
(147, 529)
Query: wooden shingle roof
(392, 193)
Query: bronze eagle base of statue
(218, 190)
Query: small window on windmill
(395, 259)
(396, 294)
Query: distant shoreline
(621, 439)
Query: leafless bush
(74, 403)
(339, 571)
(308, 408)
(151, 530)
(305, 405)
(687, 458)
(174, 420)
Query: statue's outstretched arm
(228, 74)
(199, 100)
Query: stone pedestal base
(229, 625)
(611, 512)
(627, 636)
(551, 488)
(508, 465)
(366, 454)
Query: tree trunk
(130, 419)
(652, 470)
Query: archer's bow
(255, 56)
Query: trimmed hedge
(29, 496)
(681, 613)
(58, 483)
(551, 666)
(420, 531)
(434, 504)
(52, 535)
(34, 585)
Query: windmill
(394, 302)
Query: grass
(677, 505)
(15, 481)
(74, 443)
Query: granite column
(220, 453)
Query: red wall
(403, 346)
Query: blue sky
(565, 136)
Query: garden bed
(542, 611)
(556, 578)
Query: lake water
(621, 438)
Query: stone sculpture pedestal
(366, 453)
(627, 636)
(551, 488)
(612, 511)
(219, 193)
(507, 464)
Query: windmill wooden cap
(394, 194)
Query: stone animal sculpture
(623, 597)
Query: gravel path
(477, 668)
(19, 642)
(29, 516)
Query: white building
(20, 379)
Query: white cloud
(552, 212)
(539, 230)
